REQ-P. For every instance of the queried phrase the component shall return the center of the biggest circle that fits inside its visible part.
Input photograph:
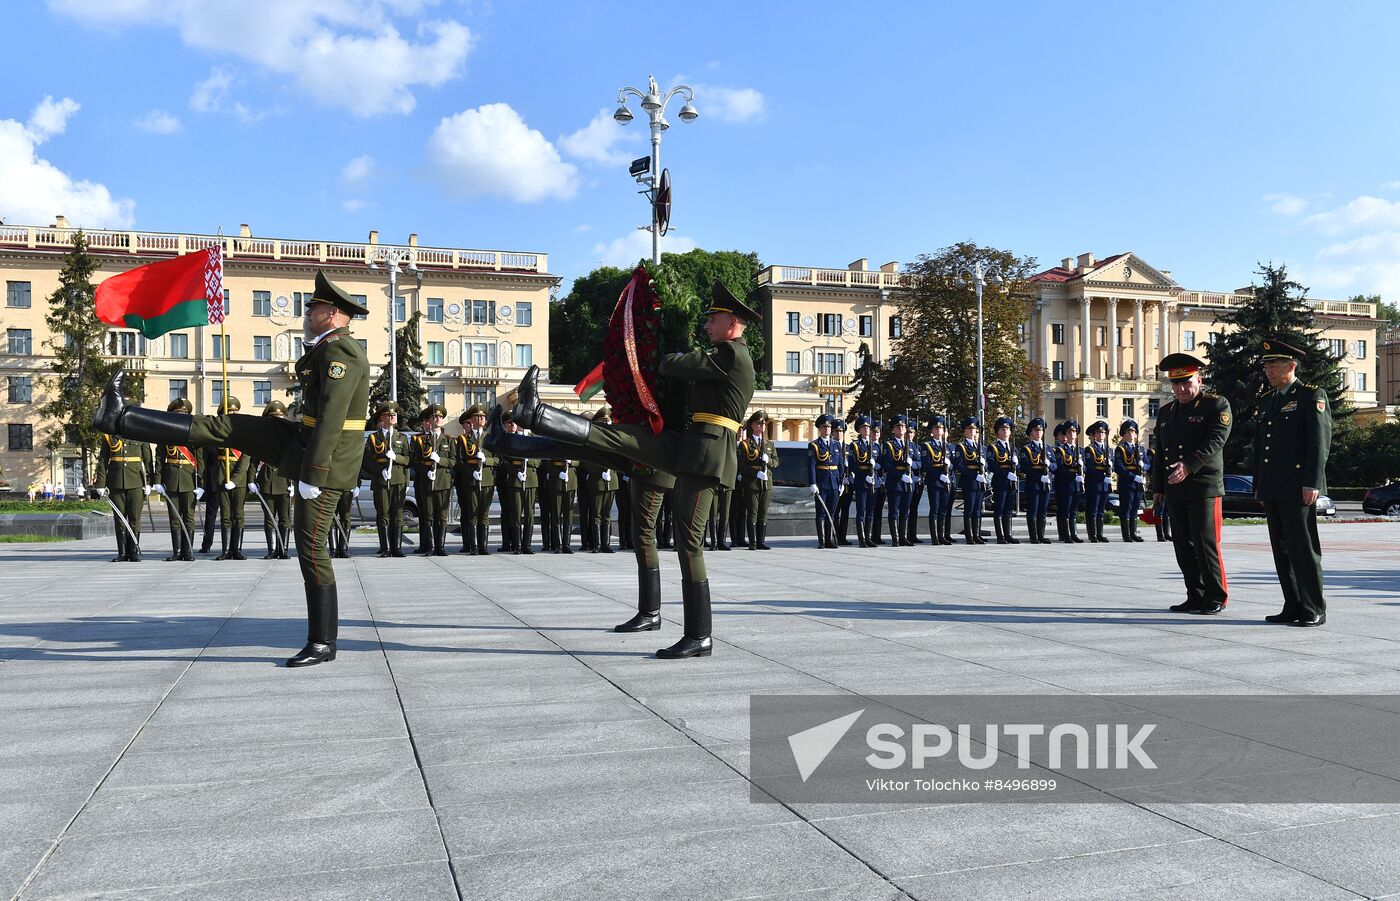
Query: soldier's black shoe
(695, 642)
(525, 399)
(1138, 538)
(322, 620)
(114, 417)
(174, 557)
(642, 622)
(1208, 610)
(687, 647)
(315, 652)
(762, 534)
(1309, 619)
(1283, 619)
(108, 415)
(186, 556)
(1185, 607)
(495, 430)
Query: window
(794, 361)
(524, 313)
(262, 347)
(1057, 370)
(299, 300)
(17, 295)
(216, 392)
(1057, 333)
(484, 354)
(364, 345)
(867, 326)
(126, 344)
(1153, 405)
(218, 349)
(435, 355)
(434, 309)
(524, 355)
(226, 301)
(1360, 350)
(1211, 336)
(262, 303)
(21, 389)
(1100, 336)
(483, 312)
(262, 393)
(896, 327)
(1061, 408)
(21, 340)
(1337, 346)
(794, 323)
(179, 346)
(21, 436)
(437, 395)
(1021, 332)
(1101, 407)
(1127, 408)
(830, 363)
(400, 309)
(1119, 336)
(1360, 381)
(829, 324)
(360, 299)
(1188, 340)
(179, 388)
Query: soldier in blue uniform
(862, 457)
(877, 515)
(1131, 466)
(911, 518)
(843, 500)
(1002, 463)
(1069, 481)
(972, 478)
(1037, 468)
(897, 470)
(1098, 480)
(824, 478)
(935, 463)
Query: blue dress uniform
(1131, 465)
(1098, 480)
(843, 500)
(971, 467)
(1069, 482)
(824, 476)
(878, 515)
(911, 518)
(861, 461)
(1037, 469)
(896, 468)
(935, 462)
(1001, 460)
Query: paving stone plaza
(482, 734)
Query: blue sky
(1202, 136)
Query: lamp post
(980, 275)
(654, 103)
(392, 258)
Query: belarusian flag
(591, 384)
(161, 297)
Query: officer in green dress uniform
(517, 480)
(474, 474)
(558, 483)
(1189, 473)
(125, 472)
(433, 453)
(1291, 445)
(386, 459)
(702, 457)
(276, 490)
(601, 483)
(758, 460)
(180, 471)
(235, 468)
(322, 452)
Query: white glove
(253, 487)
(434, 457)
(870, 480)
(814, 488)
(1107, 482)
(310, 492)
(391, 456)
(764, 458)
(763, 476)
(101, 492)
(563, 477)
(146, 490)
(480, 455)
(1012, 477)
(907, 479)
(387, 475)
(432, 474)
(476, 474)
(1045, 479)
(1140, 480)
(982, 478)
(607, 475)
(199, 494)
(158, 488)
(355, 492)
(1079, 478)
(520, 476)
(943, 478)
(228, 486)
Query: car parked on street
(1382, 501)
(1240, 501)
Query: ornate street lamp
(654, 103)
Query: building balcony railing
(828, 383)
(251, 248)
(831, 278)
(1333, 307)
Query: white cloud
(33, 190)
(357, 170)
(490, 151)
(212, 96)
(1286, 204)
(727, 104)
(598, 141)
(158, 122)
(345, 53)
(1364, 212)
(1369, 264)
(583, 229)
(354, 204)
(1392, 185)
(624, 252)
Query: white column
(1164, 347)
(1042, 310)
(1112, 337)
(1139, 340)
(1084, 339)
(1070, 344)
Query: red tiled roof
(1061, 274)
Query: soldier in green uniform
(1189, 473)
(599, 481)
(433, 453)
(1291, 446)
(516, 482)
(276, 490)
(758, 460)
(474, 474)
(322, 452)
(558, 483)
(235, 468)
(125, 472)
(386, 459)
(702, 457)
(339, 541)
(180, 470)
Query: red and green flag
(591, 384)
(161, 297)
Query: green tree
(1278, 308)
(577, 323)
(1364, 456)
(80, 364)
(412, 397)
(1388, 313)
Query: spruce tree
(411, 370)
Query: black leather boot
(752, 531)
(383, 541)
(115, 417)
(481, 549)
(527, 539)
(133, 550)
(272, 543)
(283, 533)
(322, 619)
(177, 545)
(566, 534)
(648, 618)
(396, 540)
(1001, 536)
(722, 534)
(762, 530)
(468, 538)
(605, 537)
(696, 641)
(440, 539)
(1073, 522)
(235, 535)
(1006, 530)
(223, 543)
(547, 421)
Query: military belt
(351, 425)
(826, 467)
(723, 422)
(126, 459)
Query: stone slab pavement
(482, 734)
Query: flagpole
(223, 355)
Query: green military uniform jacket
(550, 470)
(1193, 434)
(722, 384)
(123, 464)
(590, 476)
(751, 462)
(270, 483)
(421, 448)
(334, 377)
(376, 458)
(473, 458)
(180, 467)
(240, 466)
(1292, 442)
(508, 469)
